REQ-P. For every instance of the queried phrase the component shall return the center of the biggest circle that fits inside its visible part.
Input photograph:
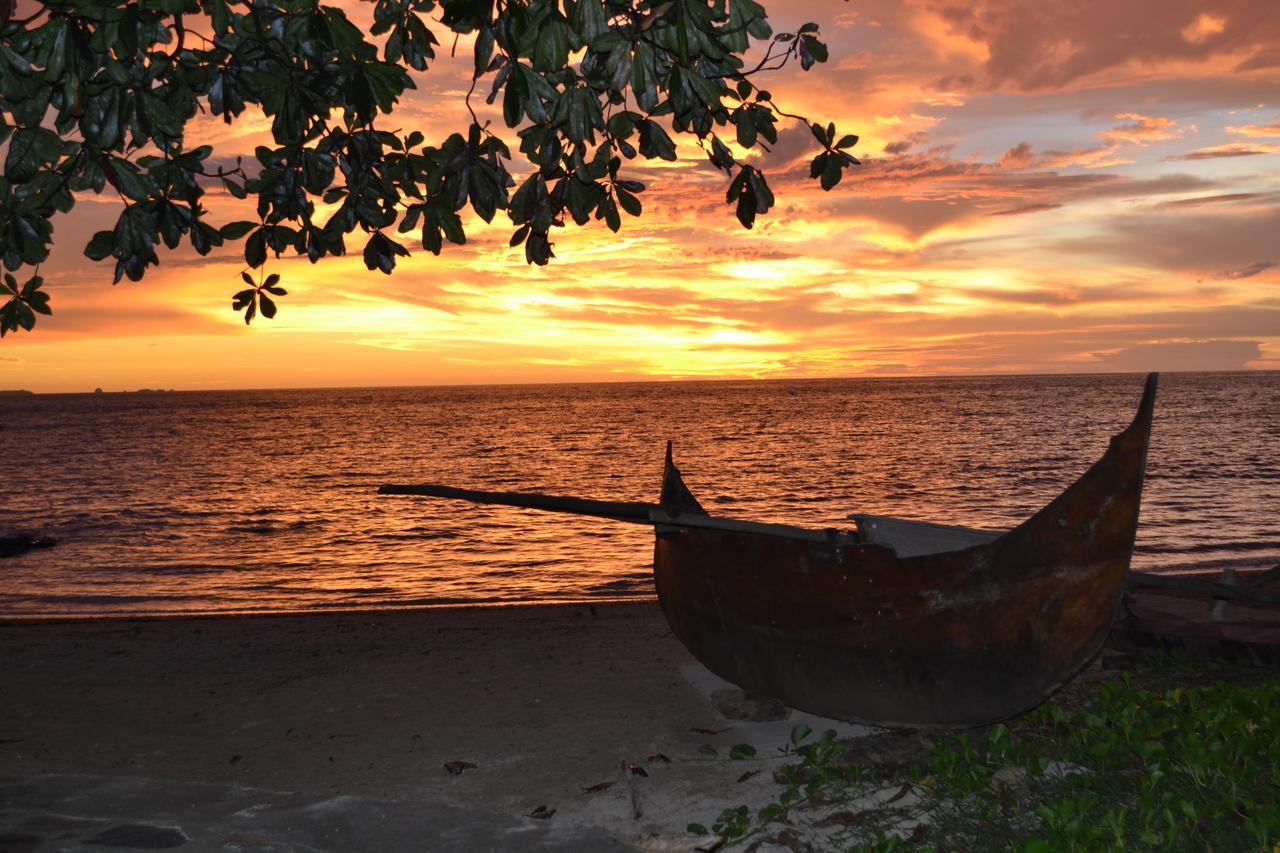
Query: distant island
(19, 392)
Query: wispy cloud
(1256, 130)
(1027, 208)
(1230, 149)
(1225, 198)
(1142, 130)
(1249, 270)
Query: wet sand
(549, 703)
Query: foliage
(1131, 768)
(101, 93)
(1155, 768)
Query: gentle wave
(265, 500)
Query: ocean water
(199, 502)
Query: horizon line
(648, 381)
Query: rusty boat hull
(848, 629)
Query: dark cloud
(426, 296)
(1025, 297)
(920, 193)
(1228, 198)
(1030, 208)
(952, 83)
(1017, 157)
(889, 368)
(1249, 270)
(1261, 59)
(1235, 149)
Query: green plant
(1151, 767)
(1152, 760)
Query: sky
(1083, 186)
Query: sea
(167, 503)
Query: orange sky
(1046, 187)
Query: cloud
(1226, 198)
(1027, 297)
(1030, 208)
(1183, 355)
(1040, 46)
(1260, 60)
(1256, 130)
(1017, 157)
(1142, 129)
(1138, 130)
(1249, 270)
(1200, 245)
(1231, 149)
(1204, 27)
(1097, 157)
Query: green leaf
(128, 180)
(629, 202)
(654, 141)
(102, 245)
(236, 230)
(255, 249)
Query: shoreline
(7, 620)
(72, 619)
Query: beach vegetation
(1154, 759)
(101, 96)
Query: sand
(598, 713)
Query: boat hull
(961, 638)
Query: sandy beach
(596, 712)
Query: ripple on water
(156, 512)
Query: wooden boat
(897, 623)
(1233, 617)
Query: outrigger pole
(634, 512)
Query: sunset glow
(1044, 188)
